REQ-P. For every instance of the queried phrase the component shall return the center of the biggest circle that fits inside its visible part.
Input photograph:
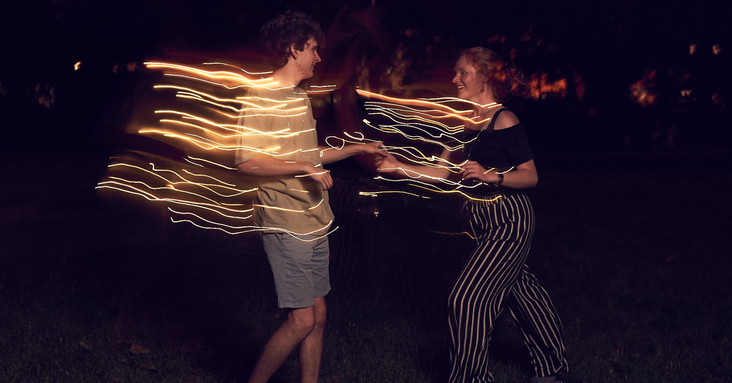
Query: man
(278, 141)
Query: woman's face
(469, 82)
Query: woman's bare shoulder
(506, 120)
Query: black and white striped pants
(496, 277)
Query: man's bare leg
(311, 348)
(299, 324)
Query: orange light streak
(376, 193)
(215, 208)
(427, 121)
(240, 69)
(434, 103)
(460, 233)
(417, 137)
(258, 229)
(435, 189)
(171, 184)
(213, 125)
(189, 159)
(212, 75)
(321, 88)
(209, 126)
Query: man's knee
(321, 312)
(302, 321)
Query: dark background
(606, 46)
(631, 236)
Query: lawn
(634, 250)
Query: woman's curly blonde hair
(506, 79)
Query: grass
(636, 259)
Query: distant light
(717, 99)
(716, 49)
(540, 87)
(641, 91)
(692, 49)
(686, 92)
(77, 65)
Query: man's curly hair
(290, 28)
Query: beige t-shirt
(280, 123)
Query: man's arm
(329, 155)
(263, 165)
(431, 174)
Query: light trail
(437, 123)
(210, 120)
(209, 117)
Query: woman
(497, 155)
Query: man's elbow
(244, 168)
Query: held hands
(376, 147)
(387, 164)
(323, 176)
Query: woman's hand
(521, 177)
(473, 170)
(387, 164)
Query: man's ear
(293, 51)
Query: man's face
(307, 58)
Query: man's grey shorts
(299, 266)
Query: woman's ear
(483, 85)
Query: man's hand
(376, 147)
(322, 176)
(331, 154)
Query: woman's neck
(483, 111)
(484, 101)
